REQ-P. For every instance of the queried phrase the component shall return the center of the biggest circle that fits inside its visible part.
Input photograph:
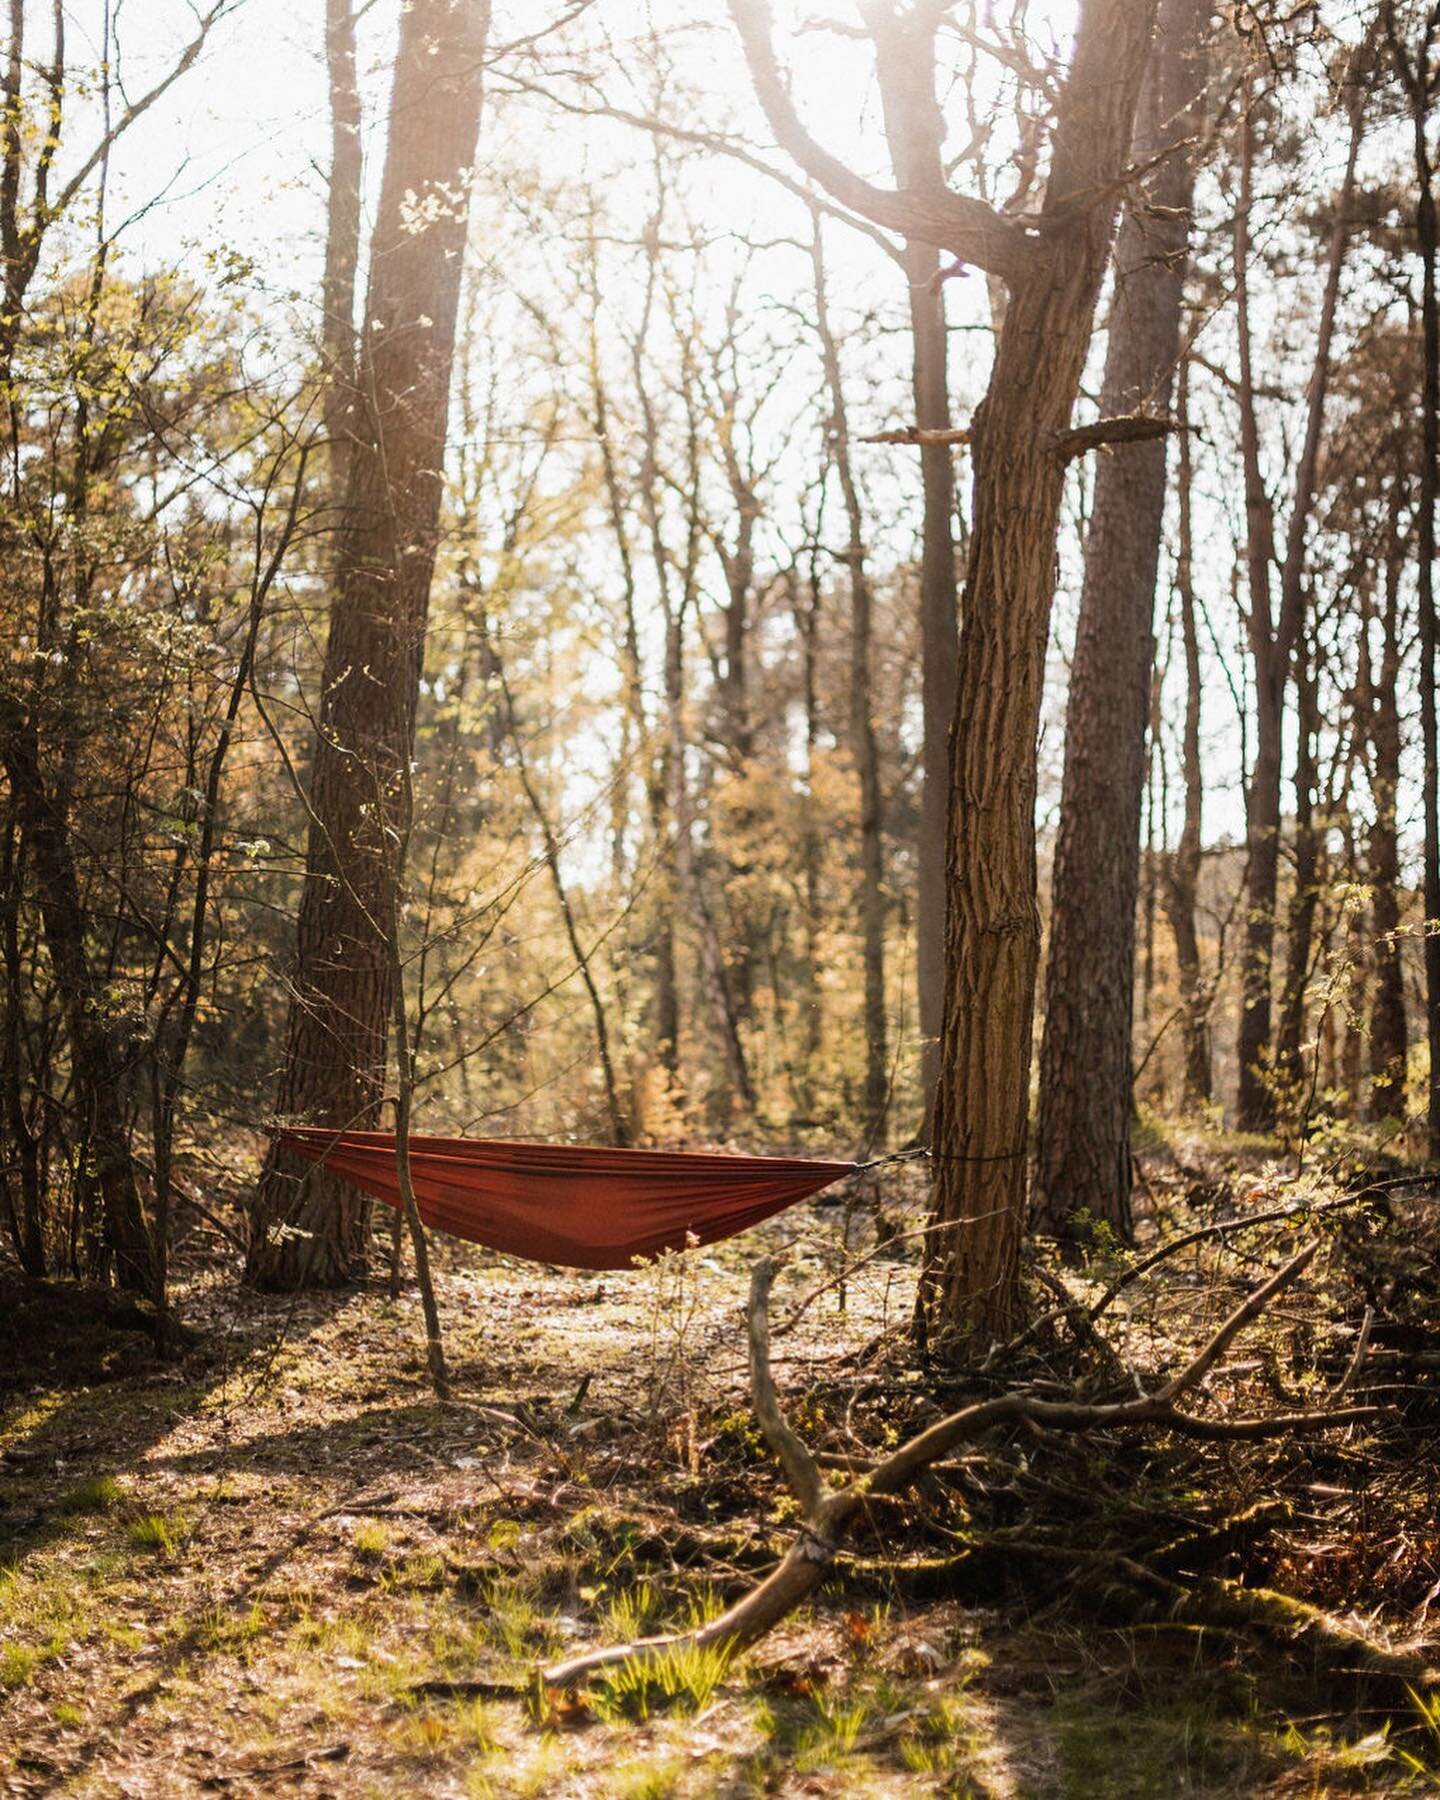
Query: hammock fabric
(582, 1206)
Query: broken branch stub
(1126, 428)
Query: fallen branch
(1218, 1604)
(1341, 1647)
(1357, 1361)
(827, 1513)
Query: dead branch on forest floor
(827, 1513)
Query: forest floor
(233, 1573)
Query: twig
(799, 1465)
(1357, 1361)
(1200, 1365)
(1218, 1229)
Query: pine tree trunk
(1273, 638)
(1305, 895)
(335, 1053)
(1388, 1035)
(971, 1284)
(1183, 876)
(812, 848)
(1254, 1105)
(1085, 1103)
(1418, 78)
(915, 132)
(939, 652)
(96, 1064)
(863, 746)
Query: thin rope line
(898, 1156)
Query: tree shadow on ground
(84, 1395)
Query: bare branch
(799, 1465)
(1238, 1320)
(1218, 1229)
(922, 439)
(968, 228)
(706, 140)
(1127, 428)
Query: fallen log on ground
(828, 1513)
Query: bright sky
(234, 157)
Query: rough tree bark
(1052, 266)
(335, 1051)
(971, 1283)
(1083, 1138)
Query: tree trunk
(1053, 266)
(1388, 1035)
(1417, 78)
(812, 847)
(971, 1277)
(1305, 895)
(915, 133)
(405, 1055)
(335, 1053)
(97, 1066)
(666, 999)
(1083, 1140)
(1273, 639)
(939, 651)
(615, 1112)
(1254, 1108)
(342, 241)
(1183, 875)
(862, 728)
(19, 1139)
(1429, 239)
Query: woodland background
(483, 619)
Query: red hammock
(579, 1205)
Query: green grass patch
(1138, 1751)
(649, 1778)
(370, 1542)
(681, 1678)
(221, 1629)
(161, 1534)
(100, 1494)
(18, 1663)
